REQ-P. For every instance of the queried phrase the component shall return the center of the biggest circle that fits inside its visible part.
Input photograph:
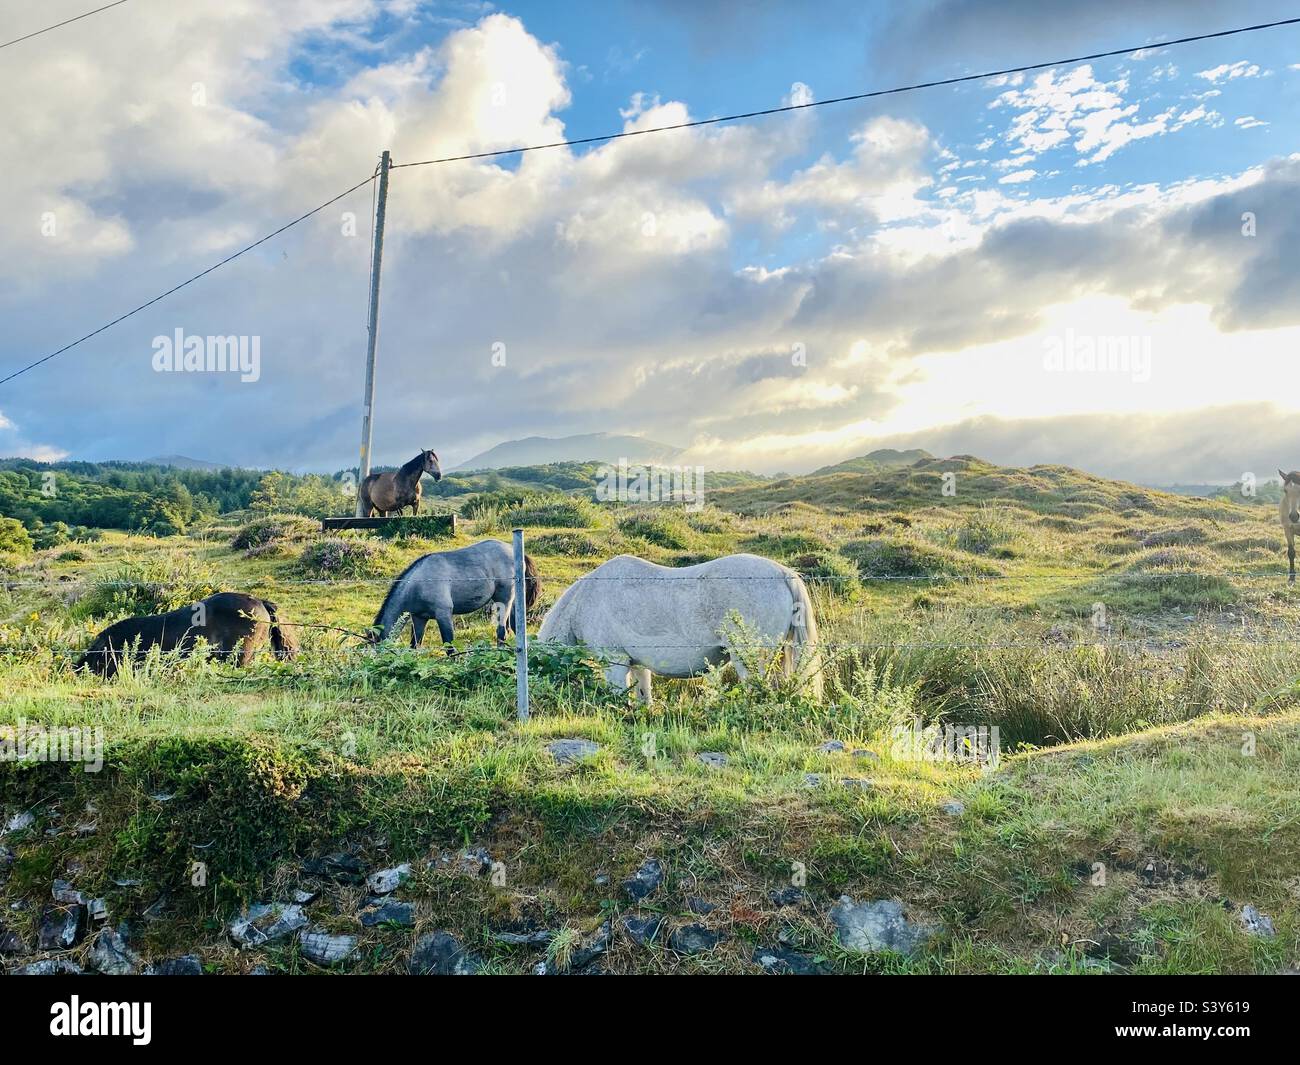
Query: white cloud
(1018, 177)
(1229, 72)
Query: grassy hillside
(1135, 650)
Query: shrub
(148, 586)
(657, 527)
(783, 545)
(347, 558)
(888, 558)
(14, 539)
(833, 573)
(984, 530)
(570, 544)
(1176, 535)
(559, 512)
(274, 529)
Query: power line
(856, 96)
(187, 281)
(65, 22)
(640, 132)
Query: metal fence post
(521, 630)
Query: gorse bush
(147, 586)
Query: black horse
(232, 624)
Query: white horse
(1288, 513)
(646, 619)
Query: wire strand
(188, 281)
(65, 22)
(873, 94)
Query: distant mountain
(589, 447)
(883, 459)
(184, 462)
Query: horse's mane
(393, 589)
(1292, 478)
(416, 463)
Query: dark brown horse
(385, 493)
(232, 624)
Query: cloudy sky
(1093, 264)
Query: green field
(1135, 650)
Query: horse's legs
(643, 684)
(417, 629)
(617, 675)
(443, 618)
(501, 615)
(741, 671)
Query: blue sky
(775, 294)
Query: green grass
(1123, 732)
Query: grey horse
(644, 618)
(446, 583)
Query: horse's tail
(532, 583)
(801, 650)
(283, 642)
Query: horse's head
(431, 466)
(1291, 495)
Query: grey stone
(875, 926)
(700, 906)
(865, 755)
(302, 898)
(954, 808)
(571, 750)
(49, 967)
(645, 881)
(473, 862)
(325, 948)
(861, 783)
(98, 909)
(642, 930)
(265, 923)
(341, 867)
(111, 956)
(784, 961)
(693, 939)
(1256, 923)
(442, 954)
(812, 780)
(592, 947)
(713, 759)
(185, 965)
(390, 912)
(386, 881)
(11, 942)
(538, 937)
(64, 892)
(788, 896)
(831, 747)
(20, 821)
(61, 926)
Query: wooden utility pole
(367, 422)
